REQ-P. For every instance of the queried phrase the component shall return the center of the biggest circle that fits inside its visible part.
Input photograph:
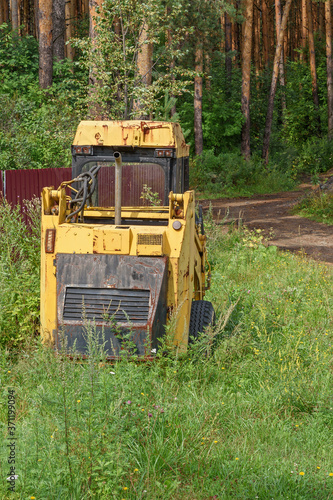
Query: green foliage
(318, 207)
(19, 272)
(243, 414)
(229, 174)
(315, 156)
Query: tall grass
(246, 413)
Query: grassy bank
(318, 207)
(246, 413)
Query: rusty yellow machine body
(128, 271)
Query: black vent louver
(102, 304)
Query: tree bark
(313, 62)
(144, 66)
(328, 22)
(45, 43)
(256, 40)
(59, 29)
(278, 18)
(198, 137)
(304, 29)
(246, 78)
(95, 108)
(277, 58)
(69, 28)
(14, 14)
(265, 36)
(228, 46)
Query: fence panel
(25, 184)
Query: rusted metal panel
(140, 281)
(26, 184)
(1, 184)
(133, 179)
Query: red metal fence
(19, 185)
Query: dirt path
(272, 213)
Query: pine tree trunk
(278, 18)
(256, 40)
(228, 46)
(328, 21)
(246, 77)
(95, 108)
(198, 137)
(69, 29)
(14, 14)
(265, 32)
(313, 62)
(277, 58)
(304, 30)
(144, 66)
(45, 43)
(59, 29)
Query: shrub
(19, 272)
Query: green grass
(241, 415)
(318, 207)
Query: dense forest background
(249, 81)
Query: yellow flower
(215, 442)
(39, 460)
(78, 401)
(136, 470)
(32, 498)
(296, 425)
(51, 437)
(125, 488)
(301, 473)
(223, 368)
(142, 393)
(236, 458)
(8, 371)
(142, 409)
(318, 467)
(331, 474)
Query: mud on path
(272, 214)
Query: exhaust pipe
(118, 183)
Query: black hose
(89, 181)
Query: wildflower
(9, 371)
(128, 402)
(125, 488)
(150, 415)
(39, 460)
(51, 437)
(32, 498)
(112, 373)
(331, 474)
(223, 368)
(215, 442)
(236, 458)
(136, 470)
(142, 393)
(301, 473)
(142, 409)
(162, 411)
(78, 401)
(318, 467)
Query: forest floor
(273, 215)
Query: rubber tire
(202, 315)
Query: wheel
(202, 315)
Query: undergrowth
(247, 412)
(318, 207)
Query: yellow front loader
(122, 246)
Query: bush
(229, 174)
(19, 272)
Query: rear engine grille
(100, 304)
(150, 239)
